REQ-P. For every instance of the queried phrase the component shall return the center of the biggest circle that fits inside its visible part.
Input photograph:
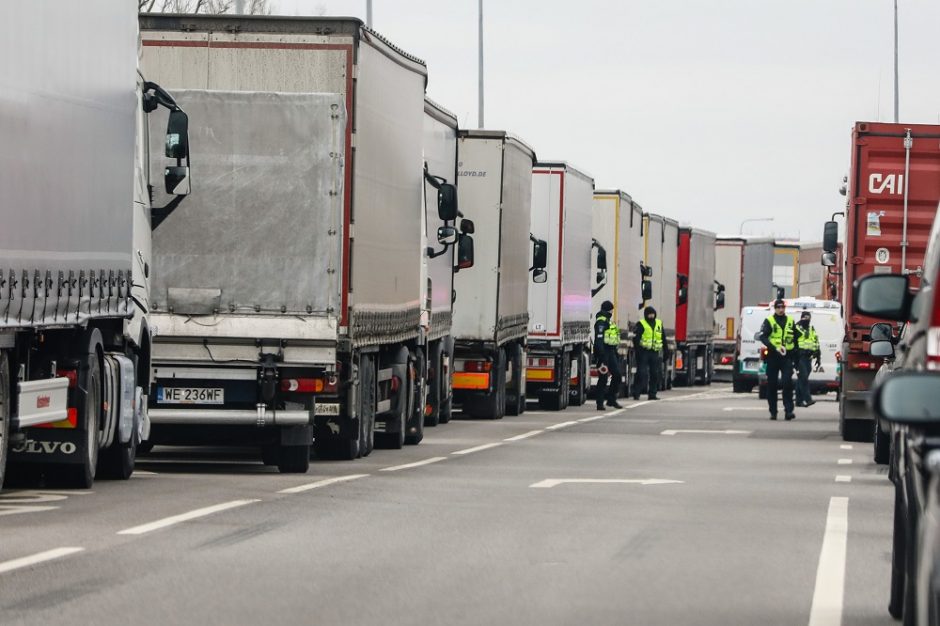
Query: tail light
(763, 352)
(477, 366)
(864, 365)
(72, 375)
(726, 359)
(679, 361)
(328, 383)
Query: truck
(744, 265)
(698, 296)
(491, 319)
(559, 336)
(786, 281)
(620, 270)
(813, 276)
(74, 252)
(661, 257)
(296, 311)
(892, 192)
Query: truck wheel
(740, 387)
(82, 476)
(435, 365)
(4, 413)
(117, 462)
(419, 378)
(447, 410)
(558, 401)
(578, 395)
(492, 406)
(367, 405)
(293, 459)
(515, 401)
(881, 444)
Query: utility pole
(895, 61)
(369, 13)
(481, 67)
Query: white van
(827, 320)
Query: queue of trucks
(348, 267)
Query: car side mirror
(464, 252)
(831, 236)
(539, 275)
(177, 135)
(446, 235)
(828, 259)
(886, 296)
(647, 290)
(881, 332)
(882, 348)
(910, 398)
(447, 202)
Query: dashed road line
(845, 446)
(322, 483)
(396, 468)
(35, 559)
(845, 461)
(585, 420)
(826, 609)
(184, 517)
(485, 446)
(670, 433)
(531, 433)
(842, 478)
(560, 426)
(548, 483)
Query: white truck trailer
(560, 308)
(491, 314)
(305, 313)
(744, 265)
(75, 241)
(661, 247)
(618, 233)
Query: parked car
(909, 398)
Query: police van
(750, 369)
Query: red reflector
(864, 365)
(302, 385)
(477, 366)
(594, 371)
(543, 362)
(726, 360)
(396, 384)
(72, 375)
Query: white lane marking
(670, 433)
(17, 509)
(845, 461)
(485, 446)
(396, 468)
(548, 483)
(562, 425)
(636, 404)
(41, 557)
(322, 483)
(845, 446)
(842, 478)
(531, 433)
(830, 575)
(584, 420)
(744, 408)
(184, 517)
(144, 473)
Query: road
(692, 510)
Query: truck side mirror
(446, 235)
(682, 295)
(601, 276)
(447, 202)
(467, 227)
(828, 259)
(831, 236)
(539, 254)
(647, 290)
(645, 270)
(886, 296)
(539, 276)
(720, 300)
(601, 256)
(176, 180)
(464, 252)
(177, 135)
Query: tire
(740, 387)
(82, 476)
(293, 459)
(269, 455)
(144, 447)
(578, 396)
(447, 410)
(436, 365)
(366, 405)
(492, 406)
(417, 401)
(396, 440)
(558, 401)
(117, 462)
(4, 414)
(898, 554)
(516, 406)
(881, 445)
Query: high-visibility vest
(781, 337)
(652, 338)
(809, 340)
(612, 334)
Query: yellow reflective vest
(652, 337)
(809, 340)
(781, 336)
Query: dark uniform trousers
(649, 368)
(608, 356)
(777, 366)
(804, 365)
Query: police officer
(807, 350)
(780, 335)
(648, 344)
(606, 342)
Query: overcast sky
(707, 111)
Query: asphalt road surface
(692, 510)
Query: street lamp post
(753, 219)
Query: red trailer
(892, 194)
(696, 302)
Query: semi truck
(296, 308)
(786, 283)
(744, 265)
(698, 296)
(492, 315)
(560, 307)
(74, 249)
(892, 193)
(661, 257)
(619, 266)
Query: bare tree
(252, 7)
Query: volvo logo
(31, 446)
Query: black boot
(614, 404)
(600, 405)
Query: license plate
(190, 395)
(327, 408)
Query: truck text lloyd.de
(560, 308)
(661, 257)
(892, 193)
(744, 266)
(491, 320)
(619, 270)
(74, 250)
(698, 296)
(308, 285)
